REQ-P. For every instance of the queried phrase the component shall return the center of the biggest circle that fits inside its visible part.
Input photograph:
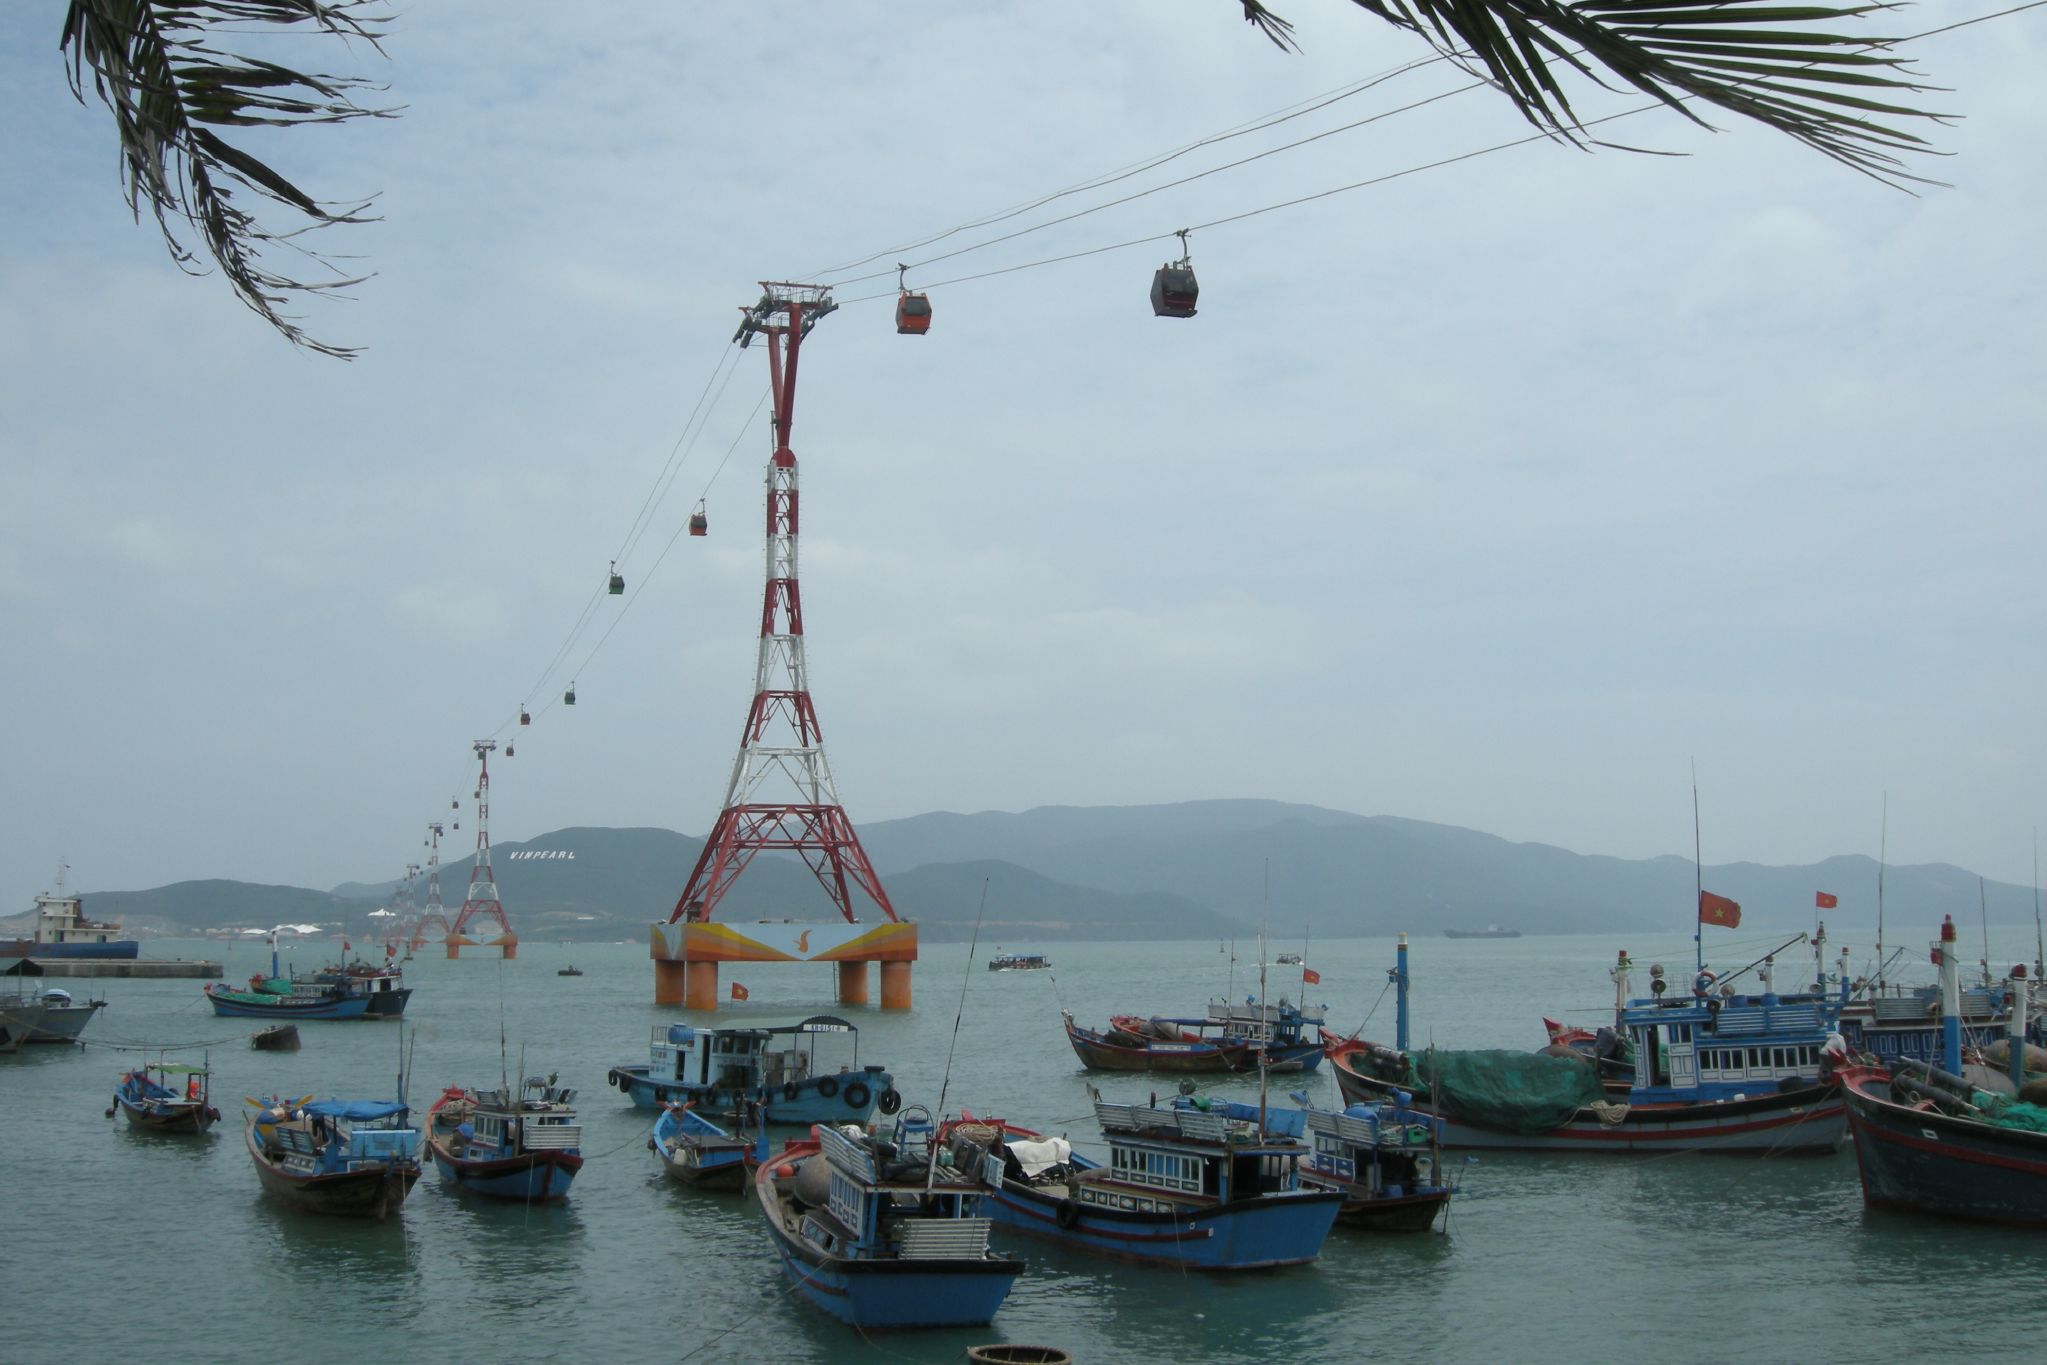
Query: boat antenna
(2039, 940)
(1882, 842)
(1983, 909)
(1698, 882)
(967, 974)
(1264, 1018)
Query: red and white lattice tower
(482, 906)
(781, 795)
(433, 919)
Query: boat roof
(355, 1111)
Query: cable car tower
(433, 920)
(403, 911)
(782, 747)
(482, 902)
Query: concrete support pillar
(511, 946)
(667, 982)
(895, 985)
(852, 983)
(700, 986)
(454, 948)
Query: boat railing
(1140, 1118)
(552, 1137)
(944, 1239)
(1345, 1127)
(849, 1154)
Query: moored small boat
(881, 1233)
(1019, 962)
(1230, 1037)
(769, 1074)
(17, 1023)
(698, 1152)
(167, 1098)
(353, 1158)
(278, 996)
(62, 1019)
(571, 970)
(276, 1038)
(507, 1145)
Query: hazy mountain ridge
(1193, 870)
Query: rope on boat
(136, 1045)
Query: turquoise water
(113, 1238)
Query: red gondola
(1173, 287)
(524, 718)
(913, 311)
(699, 524)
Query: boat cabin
(1264, 1023)
(887, 1197)
(1162, 1159)
(61, 920)
(334, 1135)
(1707, 1047)
(540, 1117)
(744, 1060)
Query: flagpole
(1698, 883)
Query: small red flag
(1825, 900)
(1311, 976)
(738, 991)
(1718, 910)
(345, 946)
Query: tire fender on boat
(857, 1096)
(790, 1090)
(889, 1102)
(1067, 1214)
(828, 1086)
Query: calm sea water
(118, 1243)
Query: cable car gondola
(1173, 287)
(524, 717)
(569, 697)
(617, 583)
(699, 524)
(508, 748)
(913, 311)
(454, 803)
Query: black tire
(889, 1102)
(828, 1087)
(790, 1090)
(1067, 1214)
(857, 1095)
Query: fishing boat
(1384, 1159)
(1182, 1187)
(721, 1071)
(278, 996)
(276, 1038)
(1230, 1037)
(1019, 962)
(63, 1018)
(571, 970)
(383, 989)
(1490, 931)
(166, 1098)
(507, 1144)
(62, 931)
(1725, 1072)
(698, 1152)
(1288, 960)
(884, 1233)
(17, 1022)
(353, 1158)
(1929, 1140)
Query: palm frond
(154, 66)
(1788, 66)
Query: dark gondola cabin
(1173, 291)
(913, 314)
(617, 583)
(699, 524)
(525, 718)
(569, 697)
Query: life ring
(889, 1102)
(828, 1086)
(1067, 1213)
(857, 1096)
(790, 1090)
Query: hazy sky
(1495, 494)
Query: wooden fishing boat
(1729, 1073)
(698, 1152)
(880, 1233)
(352, 1158)
(571, 970)
(507, 1144)
(1929, 1141)
(726, 1072)
(1230, 1037)
(1182, 1187)
(167, 1098)
(276, 1038)
(1019, 962)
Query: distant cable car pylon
(482, 902)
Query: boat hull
(1098, 1053)
(1274, 1230)
(168, 1116)
(529, 1176)
(847, 1097)
(1407, 1213)
(126, 949)
(1810, 1120)
(64, 1024)
(350, 1008)
(372, 1192)
(1932, 1163)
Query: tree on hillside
(172, 89)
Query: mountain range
(1204, 869)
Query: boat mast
(1882, 843)
(1399, 978)
(1698, 884)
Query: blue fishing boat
(1230, 1037)
(278, 996)
(1182, 1187)
(1384, 1158)
(723, 1073)
(1722, 1072)
(884, 1233)
(166, 1098)
(354, 1158)
(698, 1152)
(507, 1144)
(383, 989)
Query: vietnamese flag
(738, 991)
(1718, 910)
(1825, 900)
(1310, 976)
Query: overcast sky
(1496, 494)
